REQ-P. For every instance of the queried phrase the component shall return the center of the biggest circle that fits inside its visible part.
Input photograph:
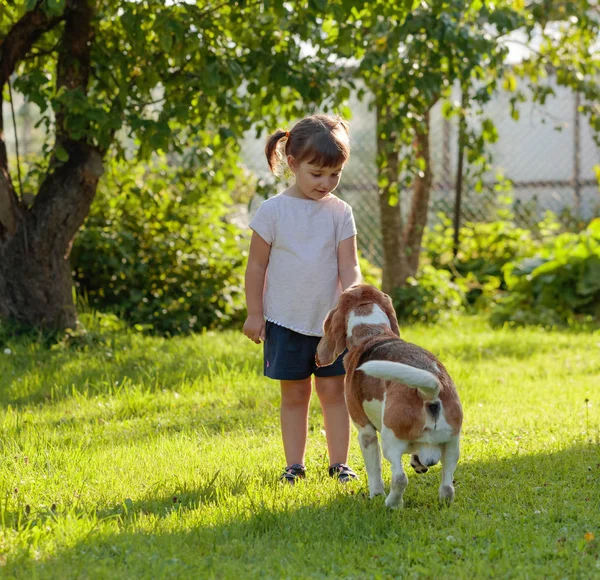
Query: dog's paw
(375, 492)
(394, 501)
(376, 487)
(446, 494)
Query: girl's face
(312, 181)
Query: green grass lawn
(138, 457)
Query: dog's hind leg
(393, 449)
(450, 455)
(369, 445)
(416, 464)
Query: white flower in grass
(7, 351)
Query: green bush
(156, 250)
(370, 274)
(558, 286)
(485, 248)
(428, 297)
(446, 285)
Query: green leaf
(61, 154)
(344, 93)
(55, 7)
(346, 112)
(447, 109)
(166, 41)
(490, 133)
(510, 82)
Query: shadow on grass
(39, 375)
(36, 374)
(214, 417)
(514, 517)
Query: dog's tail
(413, 377)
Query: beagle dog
(395, 388)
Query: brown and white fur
(395, 388)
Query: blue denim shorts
(290, 356)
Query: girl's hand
(254, 328)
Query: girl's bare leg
(330, 391)
(295, 399)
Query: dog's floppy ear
(388, 308)
(333, 342)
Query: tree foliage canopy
(132, 78)
(160, 72)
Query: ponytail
(273, 151)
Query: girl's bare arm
(258, 259)
(348, 267)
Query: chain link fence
(548, 155)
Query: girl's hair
(318, 139)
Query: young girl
(302, 256)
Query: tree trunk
(395, 265)
(462, 128)
(35, 288)
(417, 221)
(9, 203)
(35, 276)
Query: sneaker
(293, 472)
(343, 473)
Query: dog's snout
(434, 409)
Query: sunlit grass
(136, 457)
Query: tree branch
(21, 38)
(73, 68)
(201, 14)
(66, 194)
(413, 233)
(14, 120)
(8, 205)
(40, 53)
(14, 47)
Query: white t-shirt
(302, 282)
